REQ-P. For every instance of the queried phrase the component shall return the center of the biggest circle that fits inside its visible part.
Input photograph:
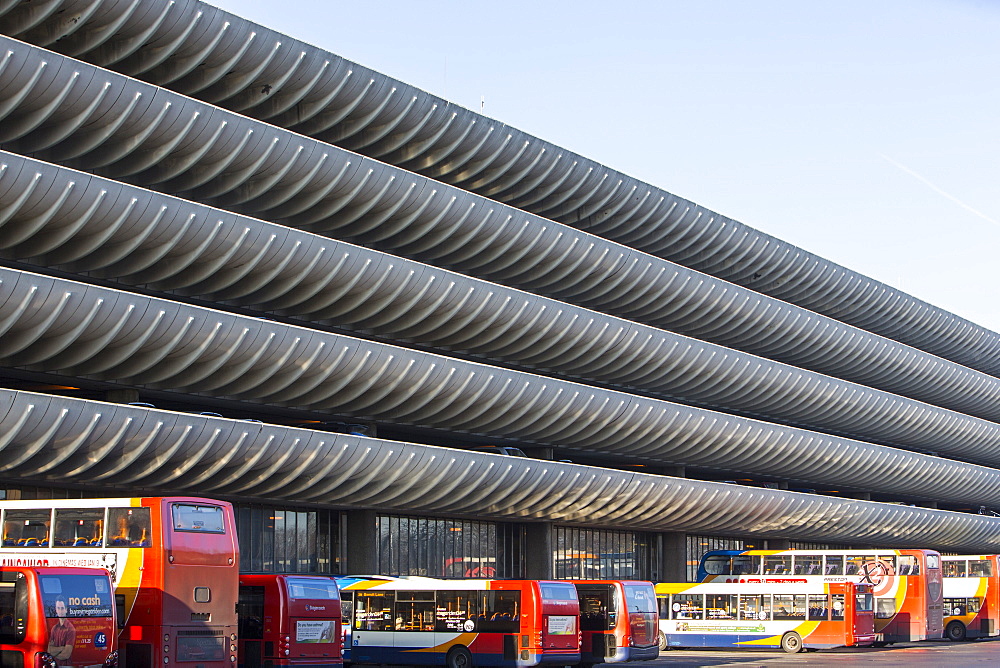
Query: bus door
(855, 606)
(598, 619)
(373, 625)
(250, 610)
(15, 647)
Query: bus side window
(854, 564)
(885, 608)
(953, 569)
(26, 528)
(837, 606)
(373, 611)
(834, 564)
(129, 527)
(755, 607)
(980, 568)
(455, 608)
(808, 564)
(777, 564)
(687, 606)
(819, 607)
(746, 564)
(79, 527)
(907, 565)
(789, 607)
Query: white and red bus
(618, 621)
(289, 621)
(906, 583)
(173, 562)
(460, 623)
(53, 616)
(793, 617)
(971, 596)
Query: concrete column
(540, 546)
(672, 557)
(362, 543)
(542, 452)
(122, 395)
(778, 544)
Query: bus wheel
(661, 640)
(459, 657)
(955, 632)
(791, 642)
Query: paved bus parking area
(918, 654)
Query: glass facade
(286, 540)
(597, 554)
(449, 548)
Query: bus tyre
(955, 632)
(661, 640)
(791, 642)
(459, 657)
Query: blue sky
(866, 132)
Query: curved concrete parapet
(75, 330)
(50, 106)
(77, 222)
(202, 51)
(88, 442)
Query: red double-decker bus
(289, 620)
(56, 616)
(173, 562)
(619, 621)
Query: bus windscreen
(76, 596)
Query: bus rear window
(552, 591)
(76, 596)
(201, 519)
(315, 589)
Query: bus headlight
(112, 660)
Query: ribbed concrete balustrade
(83, 223)
(49, 106)
(202, 51)
(88, 442)
(75, 330)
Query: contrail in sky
(938, 190)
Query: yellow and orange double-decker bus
(906, 584)
(971, 596)
(790, 616)
(174, 564)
